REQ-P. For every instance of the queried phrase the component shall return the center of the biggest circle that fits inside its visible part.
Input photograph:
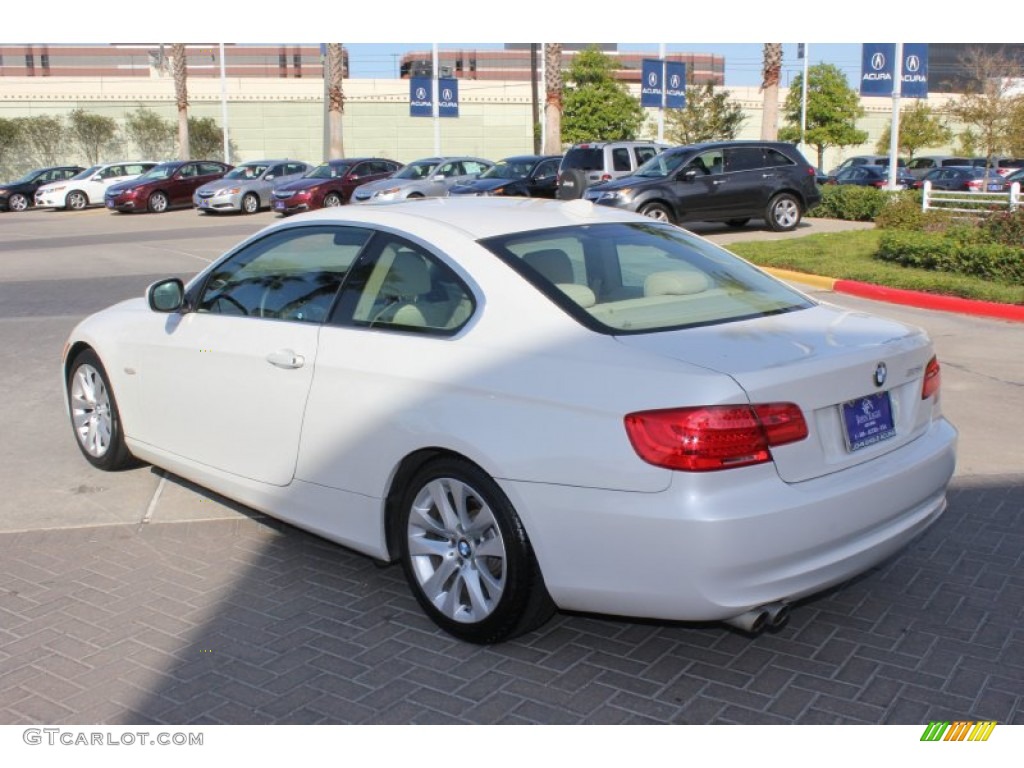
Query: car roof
(528, 158)
(473, 217)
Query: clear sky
(375, 31)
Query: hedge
(959, 255)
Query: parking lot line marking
(153, 501)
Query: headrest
(676, 283)
(409, 275)
(552, 263)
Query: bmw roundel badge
(880, 374)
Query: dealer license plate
(278, 205)
(868, 420)
(110, 203)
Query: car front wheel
(783, 213)
(76, 201)
(656, 211)
(158, 202)
(250, 203)
(332, 200)
(17, 202)
(94, 415)
(467, 557)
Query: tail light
(932, 379)
(974, 186)
(709, 438)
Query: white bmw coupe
(532, 405)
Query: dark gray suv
(730, 181)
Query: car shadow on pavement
(250, 621)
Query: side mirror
(688, 175)
(269, 176)
(166, 295)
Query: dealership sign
(877, 71)
(663, 82)
(421, 101)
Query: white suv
(585, 165)
(87, 188)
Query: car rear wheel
(415, 196)
(76, 201)
(157, 202)
(250, 203)
(783, 213)
(17, 202)
(466, 555)
(656, 211)
(94, 415)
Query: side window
(472, 166)
(205, 169)
(546, 169)
(401, 286)
(292, 274)
(66, 174)
(744, 159)
(707, 162)
(188, 171)
(775, 159)
(643, 154)
(448, 170)
(293, 168)
(620, 159)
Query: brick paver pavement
(251, 621)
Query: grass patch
(850, 256)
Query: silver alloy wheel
(18, 203)
(91, 413)
(456, 550)
(656, 212)
(332, 201)
(786, 213)
(250, 203)
(158, 202)
(77, 201)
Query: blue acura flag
(421, 101)
(675, 84)
(448, 88)
(650, 83)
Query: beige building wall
(275, 117)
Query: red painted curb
(1012, 312)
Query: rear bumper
(715, 545)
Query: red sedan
(331, 184)
(165, 186)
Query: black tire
(95, 419)
(18, 202)
(480, 550)
(783, 213)
(76, 200)
(737, 222)
(414, 196)
(158, 202)
(656, 211)
(250, 203)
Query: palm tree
(336, 100)
(179, 66)
(771, 73)
(553, 98)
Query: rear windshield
(583, 159)
(620, 278)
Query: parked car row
(920, 166)
(730, 181)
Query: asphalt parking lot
(135, 597)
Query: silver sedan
(247, 187)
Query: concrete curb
(918, 299)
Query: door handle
(286, 358)
(716, 182)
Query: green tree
(151, 134)
(987, 106)
(920, 127)
(833, 108)
(597, 106)
(94, 134)
(44, 138)
(206, 139)
(10, 146)
(707, 116)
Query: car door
(544, 180)
(750, 180)
(387, 347)
(699, 188)
(445, 177)
(225, 384)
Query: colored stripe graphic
(959, 730)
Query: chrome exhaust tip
(753, 622)
(778, 615)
